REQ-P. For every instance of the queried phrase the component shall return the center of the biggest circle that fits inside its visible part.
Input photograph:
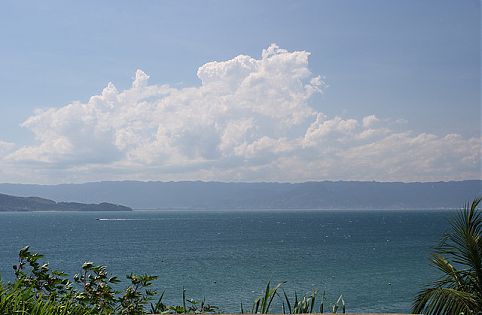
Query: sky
(287, 91)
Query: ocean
(377, 259)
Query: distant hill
(218, 195)
(14, 203)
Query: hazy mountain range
(218, 195)
(15, 203)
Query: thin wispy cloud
(249, 119)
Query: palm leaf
(459, 258)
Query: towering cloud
(249, 119)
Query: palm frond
(459, 258)
(444, 301)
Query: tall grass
(304, 305)
(23, 301)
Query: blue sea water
(378, 260)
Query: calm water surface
(378, 260)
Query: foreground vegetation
(38, 291)
(459, 258)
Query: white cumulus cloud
(249, 119)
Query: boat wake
(119, 219)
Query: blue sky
(414, 65)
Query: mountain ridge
(260, 195)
